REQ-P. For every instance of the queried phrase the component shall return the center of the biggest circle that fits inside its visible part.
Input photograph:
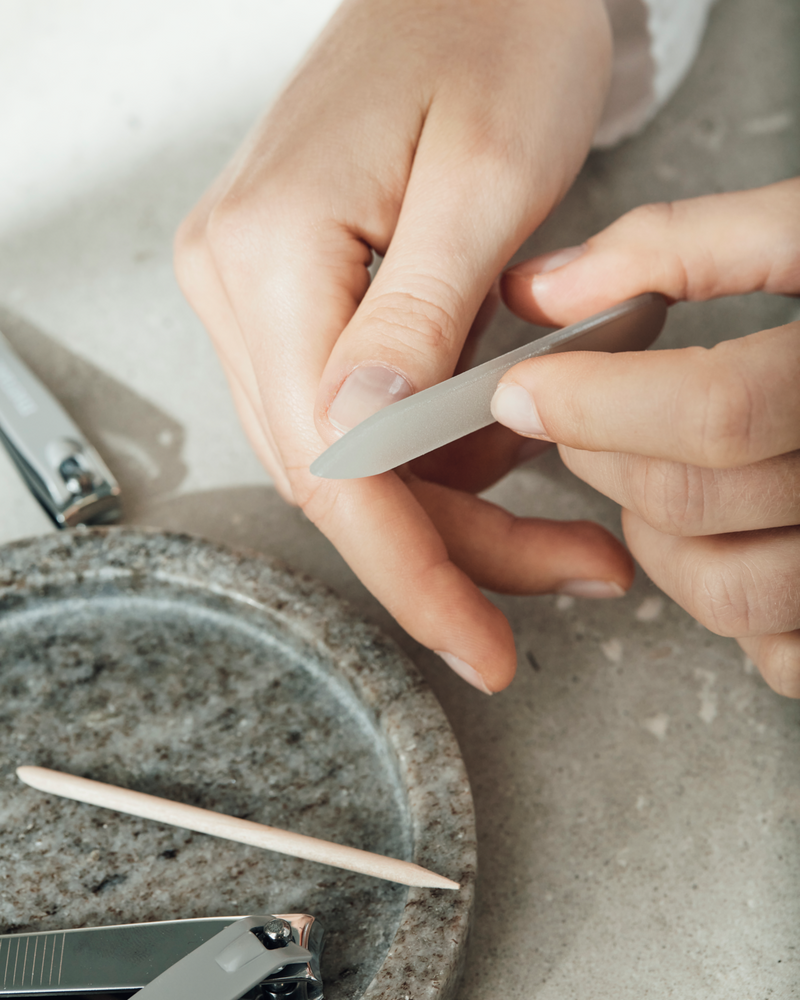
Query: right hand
(438, 134)
(701, 448)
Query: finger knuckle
(486, 144)
(673, 497)
(648, 220)
(421, 321)
(649, 229)
(724, 598)
(190, 254)
(190, 233)
(232, 231)
(784, 270)
(493, 147)
(722, 411)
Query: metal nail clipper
(267, 957)
(61, 468)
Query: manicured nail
(365, 391)
(547, 262)
(596, 589)
(513, 406)
(464, 670)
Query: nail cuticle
(368, 388)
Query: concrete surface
(637, 789)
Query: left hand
(439, 135)
(700, 447)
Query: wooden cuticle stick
(243, 831)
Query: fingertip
(778, 659)
(483, 653)
(499, 672)
(514, 407)
(485, 657)
(609, 568)
(499, 669)
(533, 289)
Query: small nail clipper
(267, 957)
(60, 467)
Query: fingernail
(464, 670)
(513, 406)
(595, 589)
(547, 262)
(365, 391)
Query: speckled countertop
(637, 789)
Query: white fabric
(655, 44)
(631, 97)
(676, 30)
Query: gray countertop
(638, 787)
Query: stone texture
(174, 667)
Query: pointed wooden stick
(243, 831)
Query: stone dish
(176, 667)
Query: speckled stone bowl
(173, 666)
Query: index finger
(693, 250)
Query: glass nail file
(460, 405)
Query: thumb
(698, 249)
(451, 239)
(729, 406)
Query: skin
(438, 133)
(704, 456)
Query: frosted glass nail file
(460, 405)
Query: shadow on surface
(141, 444)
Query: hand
(700, 447)
(439, 135)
